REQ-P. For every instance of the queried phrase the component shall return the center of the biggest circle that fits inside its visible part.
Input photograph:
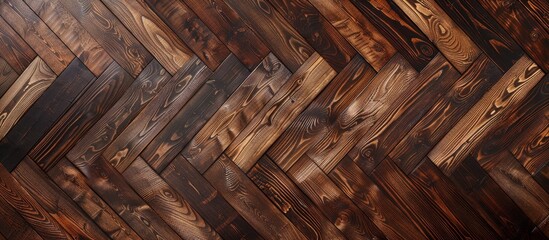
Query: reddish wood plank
(14, 49)
(12, 225)
(539, 9)
(530, 146)
(7, 76)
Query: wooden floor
(274, 119)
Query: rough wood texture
(274, 119)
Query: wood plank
(107, 30)
(456, 46)
(184, 22)
(318, 32)
(341, 211)
(55, 202)
(435, 79)
(231, 30)
(142, 91)
(357, 30)
(18, 198)
(237, 112)
(524, 28)
(314, 121)
(374, 202)
(170, 205)
(42, 115)
(399, 30)
(542, 175)
(154, 34)
(529, 147)
(73, 183)
(75, 37)
(538, 9)
(484, 31)
(285, 42)
(14, 49)
(94, 102)
(192, 117)
(7, 76)
(37, 34)
(249, 202)
(30, 85)
(207, 201)
(12, 225)
(289, 199)
(496, 104)
(445, 113)
(300, 90)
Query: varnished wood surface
(274, 119)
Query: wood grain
(12, 225)
(529, 148)
(15, 50)
(539, 10)
(239, 109)
(37, 34)
(73, 35)
(7, 76)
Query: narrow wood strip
(374, 202)
(17, 197)
(524, 28)
(55, 202)
(289, 199)
(69, 30)
(496, 104)
(73, 183)
(445, 113)
(192, 117)
(487, 34)
(322, 36)
(154, 34)
(433, 81)
(399, 30)
(539, 9)
(357, 30)
(14, 49)
(7, 76)
(300, 90)
(528, 147)
(37, 34)
(231, 30)
(23, 93)
(285, 42)
(12, 225)
(191, 30)
(43, 114)
(94, 102)
(313, 123)
(542, 176)
(107, 30)
(237, 112)
(442, 31)
(333, 202)
(207, 201)
(170, 205)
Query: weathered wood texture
(274, 119)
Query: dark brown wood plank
(289, 199)
(237, 112)
(7, 76)
(18, 198)
(399, 30)
(539, 9)
(488, 35)
(207, 201)
(95, 101)
(55, 202)
(69, 30)
(184, 22)
(12, 225)
(524, 28)
(37, 34)
(319, 33)
(43, 114)
(374, 202)
(300, 90)
(341, 211)
(169, 204)
(285, 42)
(231, 30)
(192, 117)
(14, 49)
(154, 34)
(542, 176)
(530, 146)
(107, 30)
(445, 113)
(73, 183)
